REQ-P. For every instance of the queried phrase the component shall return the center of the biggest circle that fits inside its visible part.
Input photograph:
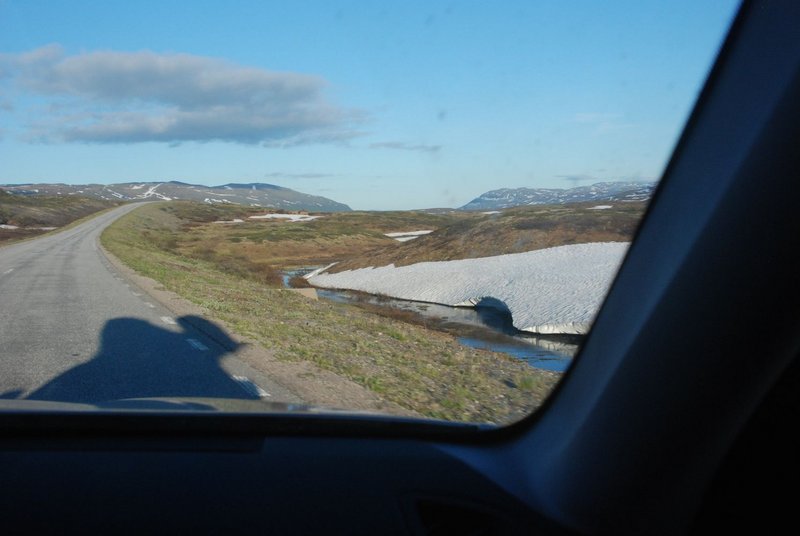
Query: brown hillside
(511, 231)
(31, 213)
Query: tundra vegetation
(27, 216)
(233, 271)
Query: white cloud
(129, 97)
(406, 146)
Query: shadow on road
(139, 360)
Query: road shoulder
(299, 382)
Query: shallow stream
(486, 328)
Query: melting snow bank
(406, 236)
(290, 217)
(13, 227)
(554, 290)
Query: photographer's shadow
(139, 360)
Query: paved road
(72, 329)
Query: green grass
(425, 371)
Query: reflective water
(486, 328)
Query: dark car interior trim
(700, 330)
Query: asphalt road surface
(72, 329)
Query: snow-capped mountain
(253, 194)
(602, 191)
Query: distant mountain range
(602, 191)
(253, 194)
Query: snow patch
(12, 227)
(318, 271)
(152, 193)
(290, 217)
(225, 195)
(601, 207)
(407, 235)
(234, 220)
(554, 290)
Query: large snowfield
(554, 290)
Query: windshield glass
(404, 208)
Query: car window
(399, 208)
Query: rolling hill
(251, 194)
(601, 191)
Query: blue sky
(380, 105)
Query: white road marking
(250, 386)
(150, 305)
(135, 293)
(197, 344)
(168, 320)
(8, 271)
